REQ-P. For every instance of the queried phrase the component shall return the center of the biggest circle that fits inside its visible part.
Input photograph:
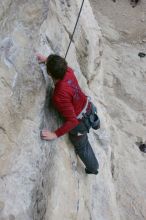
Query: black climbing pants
(78, 137)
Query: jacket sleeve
(64, 105)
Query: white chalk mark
(14, 81)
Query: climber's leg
(85, 152)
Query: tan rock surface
(124, 87)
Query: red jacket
(69, 100)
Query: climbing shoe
(88, 172)
(141, 55)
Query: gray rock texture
(42, 180)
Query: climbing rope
(74, 29)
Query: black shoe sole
(88, 172)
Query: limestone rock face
(42, 180)
(124, 88)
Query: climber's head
(56, 66)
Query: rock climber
(78, 111)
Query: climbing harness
(80, 115)
(71, 38)
(90, 119)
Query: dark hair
(56, 66)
